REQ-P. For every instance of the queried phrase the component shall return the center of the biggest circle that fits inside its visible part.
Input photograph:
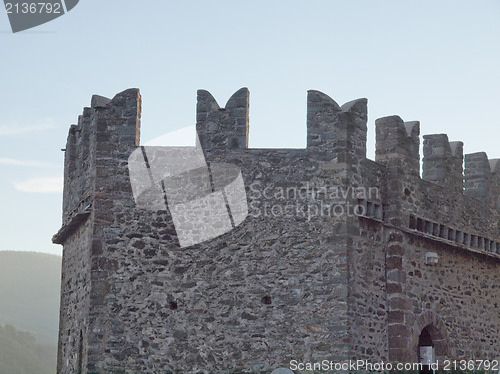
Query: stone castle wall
(300, 282)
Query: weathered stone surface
(443, 162)
(317, 271)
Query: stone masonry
(329, 264)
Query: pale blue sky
(432, 61)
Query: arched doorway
(430, 324)
(426, 349)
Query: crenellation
(223, 128)
(477, 175)
(443, 162)
(412, 129)
(355, 113)
(99, 101)
(495, 182)
(70, 152)
(123, 114)
(457, 149)
(100, 130)
(397, 144)
(72, 165)
(413, 132)
(83, 138)
(321, 112)
(336, 133)
(495, 165)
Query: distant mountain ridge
(29, 293)
(20, 354)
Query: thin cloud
(16, 129)
(41, 185)
(30, 163)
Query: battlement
(331, 129)
(397, 147)
(397, 144)
(223, 128)
(482, 178)
(334, 134)
(443, 162)
(339, 133)
(107, 127)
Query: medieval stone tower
(339, 257)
